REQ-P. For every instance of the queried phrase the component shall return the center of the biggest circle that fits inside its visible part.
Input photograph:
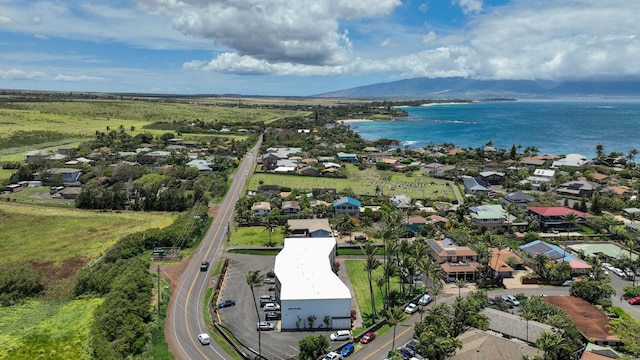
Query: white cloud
(469, 6)
(16, 74)
(288, 31)
(76, 78)
(430, 37)
(5, 20)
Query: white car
(512, 299)
(607, 266)
(271, 307)
(425, 299)
(411, 308)
(265, 326)
(204, 339)
(332, 356)
(618, 272)
(340, 335)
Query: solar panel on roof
(554, 255)
(434, 245)
(447, 241)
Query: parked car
(272, 315)
(347, 350)
(638, 271)
(629, 273)
(271, 307)
(607, 266)
(634, 300)
(269, 280)
(332, 356)
(618, 272)
(567, 283)
(271, 274)
(367, 338)
(511, 299)
(413, 345)
(265, 299)
(411, 308)
(226, 303)
(265, 326)
(425, 299)
(407, 353)
(204, 339)
(204, 266)
(340, 335)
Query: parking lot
(241, 319)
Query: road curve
(185, 313)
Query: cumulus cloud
(16, 74)
(280, 31)
(5, 20)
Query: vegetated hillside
(462, 88)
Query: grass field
(53, 235)
(255, 236)
(52, 330)
(363, 182)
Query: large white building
(308, 288)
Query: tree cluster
(17, 282)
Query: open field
(39, 329)
(52, 236)
(255, 236)
(363, 182)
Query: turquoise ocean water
(553, 126)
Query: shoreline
(348, 121)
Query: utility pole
(159, 293)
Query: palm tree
(460, 283)
(254, 278)
(552, 344)
(599, 151)
(527, 315)
(394, 316)
(269, 225)
(371, 263)
(570, 218)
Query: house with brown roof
(457, 262)
(309, 227)
(290, 207)
(599, 178)
(499, 262)
(590, 320)
(482, 345)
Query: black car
(204, 266)
(272, 315)
(226, 303)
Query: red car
(367, 338)
(634, 300)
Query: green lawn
(255, 236)
(52, 330)
(362, 182)
(46, 234)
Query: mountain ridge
(463, 88)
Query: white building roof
(304, 270)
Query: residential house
(622, 192)
(592, 322)
(597, 352)
(351, 158)
(439, 221)
(309, 227)
(541, 176)
(435, 169)
(552, 218)
(499, 262)
(331, 165)
(202, 165)
(457, 262)
(571, 160)
(402, 202)
(261, 208)
(599, 178)
(54, 175)
(474, 185)
(347, 205)
(512, 326)
(308, 171)
(493, 218)
(70, 193)
(290, 207)
(577, 188)
(517, 198)
(492, 177)
(554, 252)
(268, 190)
(478, 345)
(413, 224)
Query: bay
(553, 126)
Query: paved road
(184, 316)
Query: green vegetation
(159, 348)
(44, 235)
(362, 182)
(255, 236)
(55, 330)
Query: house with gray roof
(517, 198)
(513, 326)
(309, 227)
(474, 185)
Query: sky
(308, 47)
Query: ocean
(552, 126)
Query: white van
(340, 335)
(204, 339)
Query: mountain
(462, 88)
